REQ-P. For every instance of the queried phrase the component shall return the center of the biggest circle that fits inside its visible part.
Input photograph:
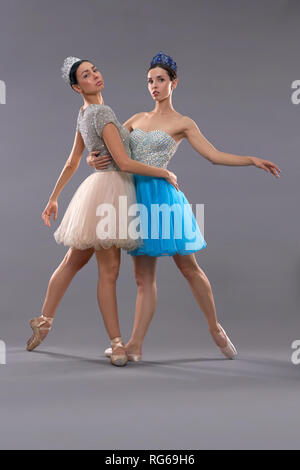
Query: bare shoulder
(187, 123)
(129, 123)
(137, 116)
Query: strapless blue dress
(167, 223)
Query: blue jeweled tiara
(164, 59)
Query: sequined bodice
(91, 122)
(155, 148)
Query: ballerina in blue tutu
(154, 139)
(168, 225)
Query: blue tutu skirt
(167, 223)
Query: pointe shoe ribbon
(131, 357)
(38, 324)
(118, 359)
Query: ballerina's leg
(108, 269)
(60, 280)
(202, 291)
(145, 275)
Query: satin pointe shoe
(131, 357)
(229, 350)
(38, 324)
(118, 359)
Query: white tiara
(66, 68)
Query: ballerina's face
(160, 85)
(90, 80)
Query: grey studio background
(237, 61)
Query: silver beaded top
(155, 148)
(66, 68)
(91, 122)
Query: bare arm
(215, 156)
(205, 148)
(68, 171)
(70, 167)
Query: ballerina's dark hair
(172, 74)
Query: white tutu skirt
(95, 218)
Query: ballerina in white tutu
(81, 227)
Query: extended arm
(68, 171)
(215, 156)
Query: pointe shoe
(131, 357)
(134, 357)
(229, 350)
(118, 359)
(38, 324)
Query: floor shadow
(242, 366)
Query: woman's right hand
(51, 208)
(172, 179)
(99, 163)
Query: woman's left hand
(172, 179)
(267, 166)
